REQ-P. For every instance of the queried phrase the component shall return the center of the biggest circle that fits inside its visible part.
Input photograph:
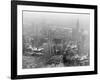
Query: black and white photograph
(53, 39)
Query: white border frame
(21, 71)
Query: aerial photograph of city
(55, 39)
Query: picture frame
(20, 16)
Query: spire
(77, 24)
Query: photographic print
(53, 39)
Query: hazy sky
(63, 19)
